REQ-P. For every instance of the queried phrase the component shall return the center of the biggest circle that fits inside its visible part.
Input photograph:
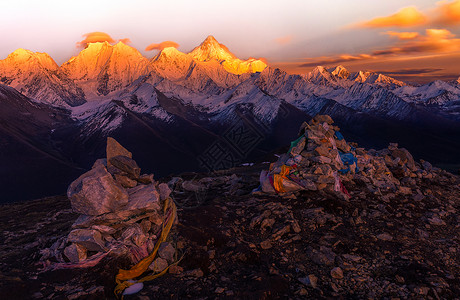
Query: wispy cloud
(161, 45)
(435, 41)
(409, 71)
(284, 40)
(405, 17)
(403, 35)
(332, 60)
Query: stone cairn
(121, 213)
(321, 159)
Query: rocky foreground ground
(239, 245)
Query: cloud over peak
(161, 46)
(99, 37)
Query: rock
(353, 258)
(134, 235)
(164, 191)
(192, 186)
(175, 269)
(323, 257)
(435, 220)
(277, 235)
(384, 237)
(127, 165)
(421, 290)
(95, 193)
(146, 225)
(75, 253)
(297, 149)
(219, 290)
(115, 149)
(426, 165)
(104, 229)
(167, 251)
(125, 181)
(143, 197)
(405, 190)
(267, 223)
(321, 119)
(337, 273)
(266, 245)
(405, 156)
(145, 179)
(321, 159)
(322, 150)
(311, 280)
(100, 162)
(158, 265)
(195, 273)
(88, 238)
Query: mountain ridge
(112, 90)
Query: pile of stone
(321, 159)
(122, 213)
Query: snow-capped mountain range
(212, 80)
(114, 90)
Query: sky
(412, 40)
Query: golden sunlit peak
(210, 39)
(171, 51)
(340, 71)
(170, 54)
(210, 49)
(21, 52)
(319, 69)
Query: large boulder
(114, 149)
(75, 253)
(96, 192)
(405, 157)
(126, 164)
(88, 238)
(143, 197)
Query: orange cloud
(403, 35)
(284, 40)
(405, 17)
(125, 41)
(161, 45)
(435, 41)
(447, 13)
(94, 37)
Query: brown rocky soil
(236, 245)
